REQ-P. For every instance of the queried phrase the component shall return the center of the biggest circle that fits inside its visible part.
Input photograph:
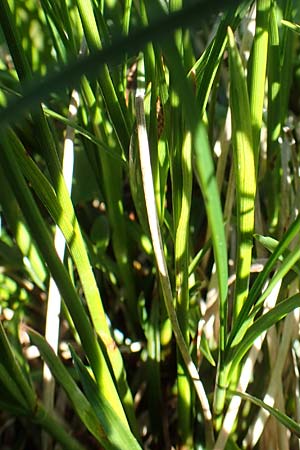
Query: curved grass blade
(156, 237)
(81, 405)
(116, 434)
(289, 423)
(263, 323)
(83, 132)
(206, 67)
(13, 377)
(31, 257)
(50, 424)
(13, 369)
(288, 264)
(40, 89)
(73, 236)
(44, 241)
(271, 244)
(71, 232)
(292, 26)
(12, 389)
(256, 289)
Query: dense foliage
(149, 247)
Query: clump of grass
(179, 287)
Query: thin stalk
(245, 377)
(291, 323)
(54, 299)
(154, 72)
(50, 424)
(161, 262)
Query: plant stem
(161, 262)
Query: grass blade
(67, 290)
(289, 423)
(206, 67)
(81, 405)
(259, 326)
(161, 262)
(256, 289)
(13, 368)
(292, 26)
(244, 164)
(117, 436)
(70, 75)
(257, 74)
(74, 239)
(273, 121)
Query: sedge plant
(179, 282)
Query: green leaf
(244, 167)
(270, 244)
(257, 71)
(258, 284)
(45, 242)
(207, 65)
(117, 435)
(100, 233)
(11, 368)
(90, 65)
(292, 26)
(81, 405)
(258, 327)
(205, 349)
(289, 423)
(12, 389)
